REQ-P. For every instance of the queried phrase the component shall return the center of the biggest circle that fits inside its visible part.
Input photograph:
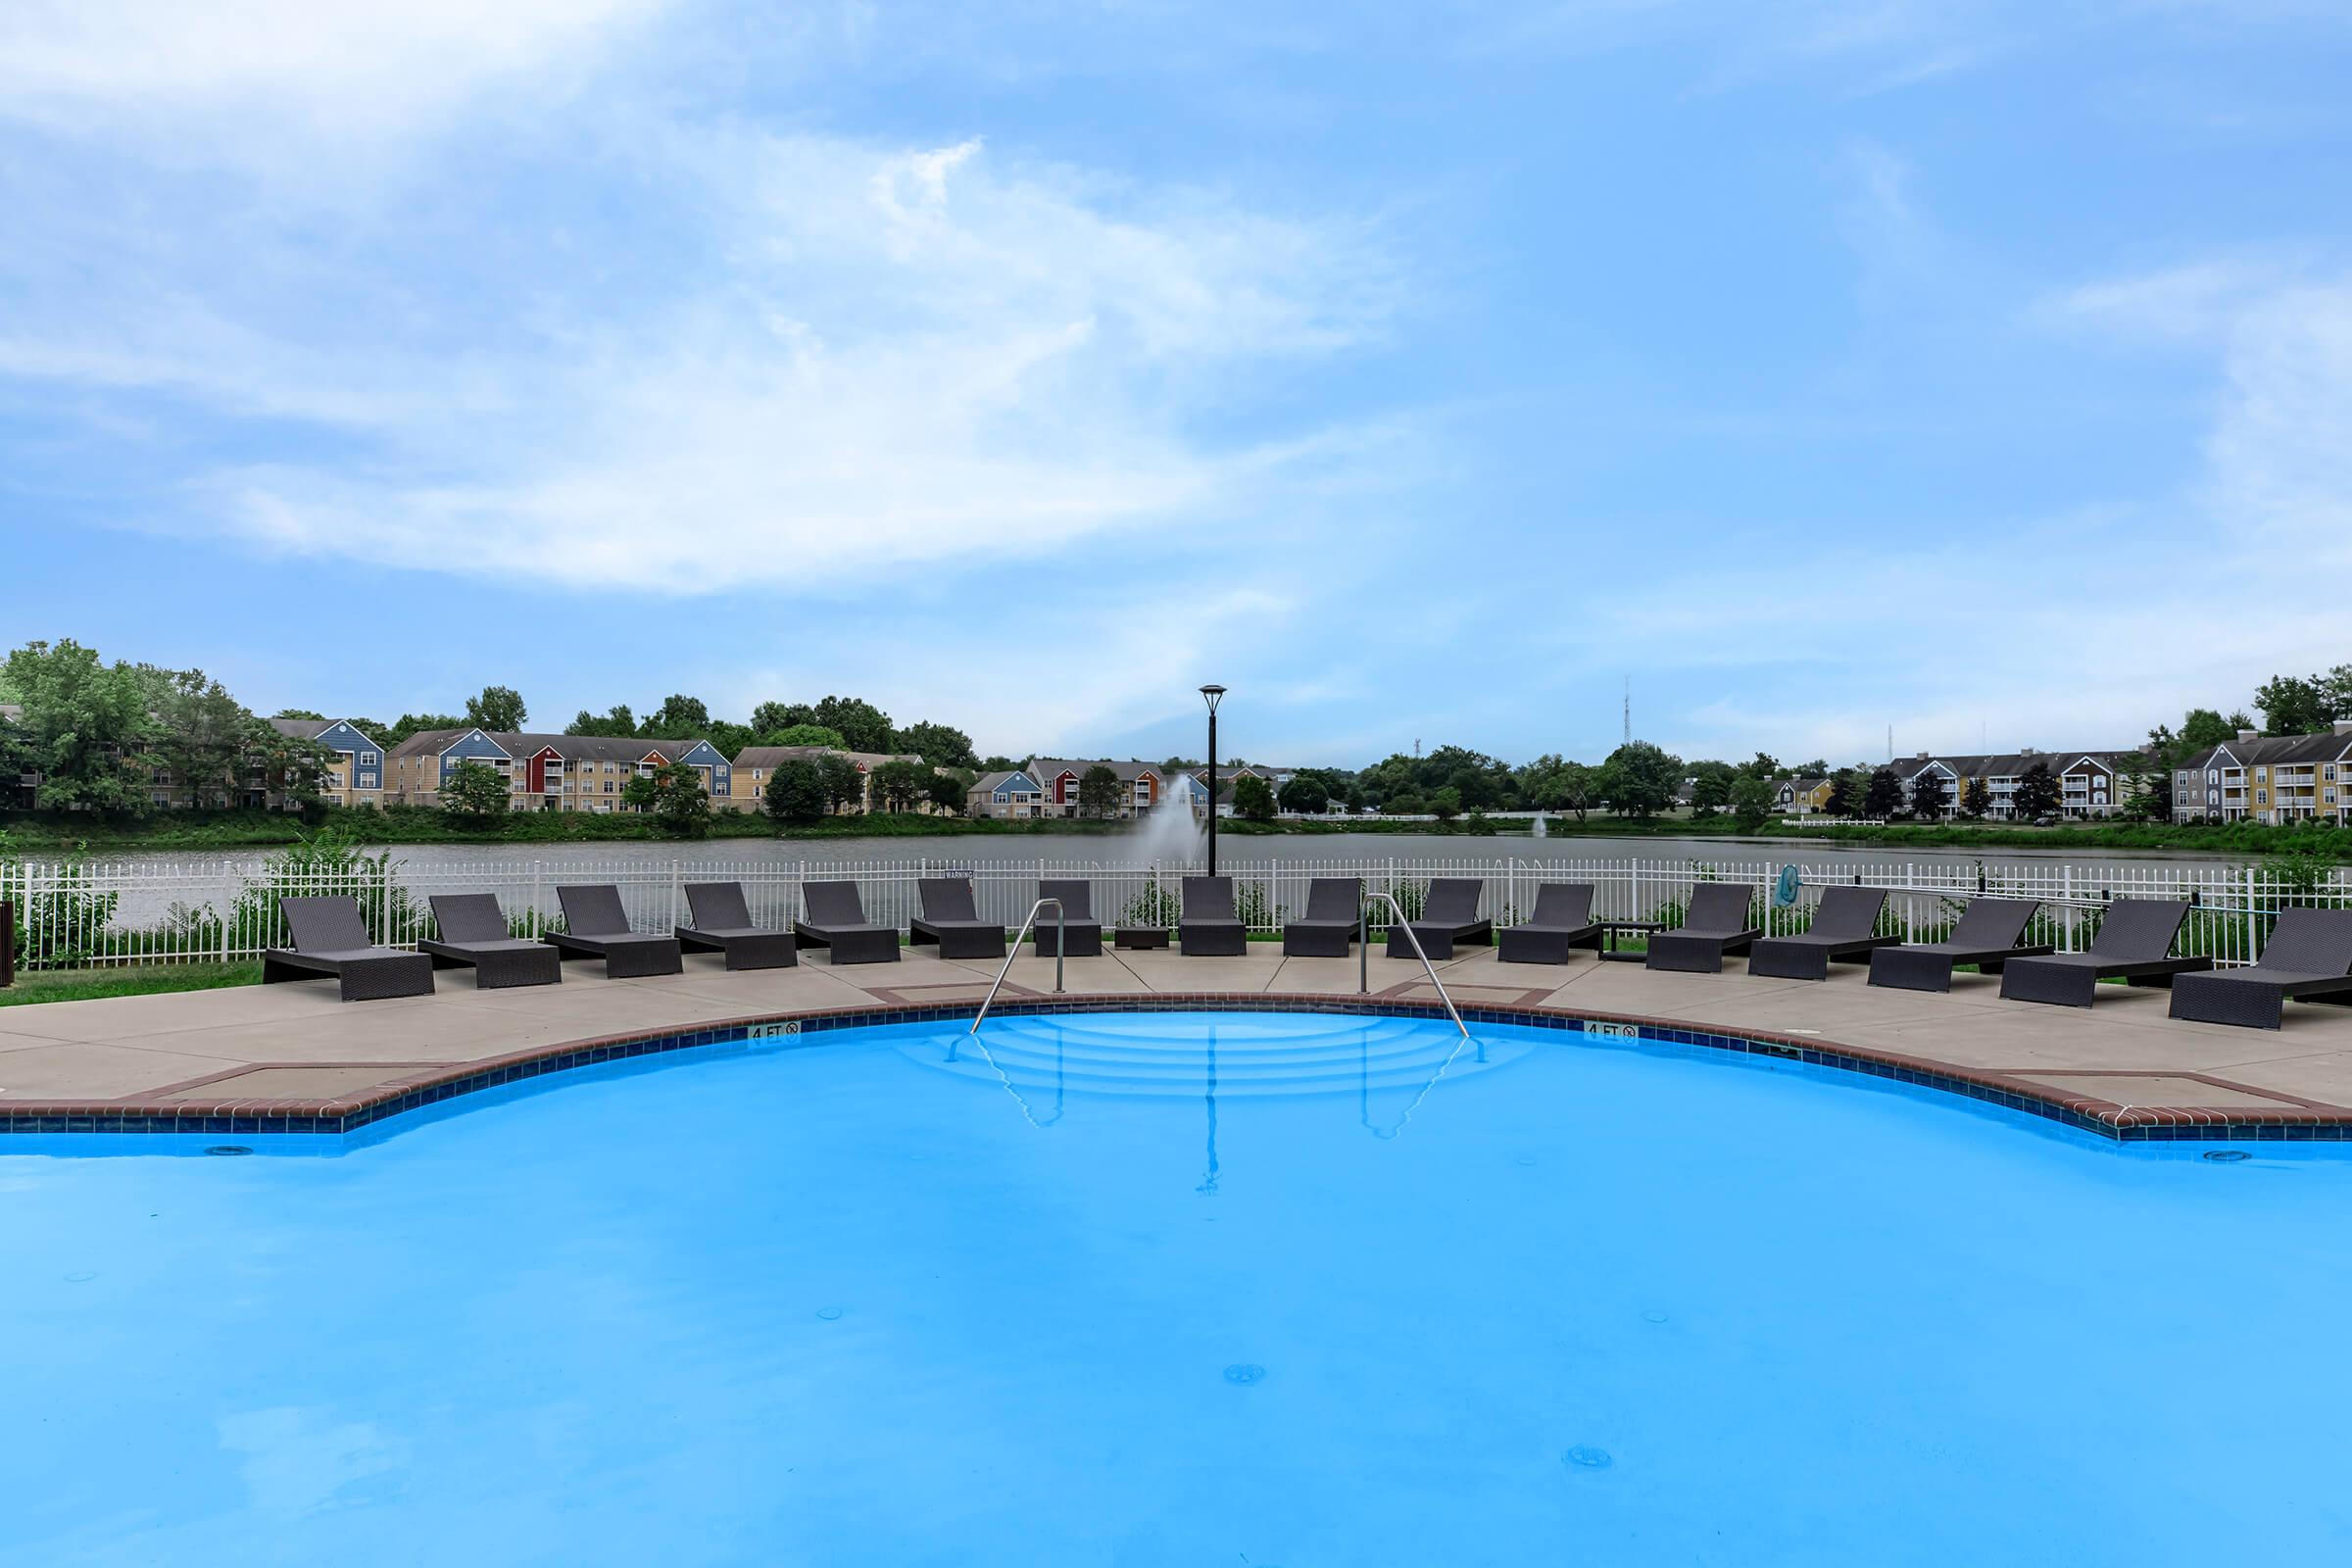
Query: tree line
(105, 737)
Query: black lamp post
(1212, 695)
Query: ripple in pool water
(571, 1323)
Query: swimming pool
(1166, 1288)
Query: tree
(1976, 798)
(808, 735)
(1710, 787)
(1818, 767)
(2293, 705)
(844, 785)
(1849, 789)
(416, 724)
(1763, 766)
(617, 723)
(298, 712)
(1752, 801)
(901, 786)
(498, 709)
(293, 769)
(86, 726)
(2147, 787)
(673, 793)
(1445, 802)
(476, 789)
(679, 718)
(1098, 791)
(204, 736)
(1306, 794)
(770, 718)
(940, 745)
(1640, 779)
(863, 726)
(1882, 796)
(796, 793)
(1931, 797)
(2037, 793)
(1252, 799)
(2202, 727)
(1571, 787)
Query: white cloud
(324, 65)
(905, 357)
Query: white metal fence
(69, 915)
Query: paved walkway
(292, 1048)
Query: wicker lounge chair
(474, 935)
(1450, 914)
(722, 923)
(1078, 921)
(1714, 924)
(950, 919)
(1562, 921)
(2308, 958)
(595, 926)
(1334, 908)
(1843, 931)
(2135, 944)
(1207, 927)
(836, 922)
(330, 939)
(1986, 937)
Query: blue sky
(1419, 372)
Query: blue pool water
(1371, 1300)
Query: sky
(1421, 372)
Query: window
(368, 759)
(2261, 797)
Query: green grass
(80, 985)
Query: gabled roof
(990, 783)
(2271, 750)
(571, 748)
(1045, 767)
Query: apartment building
(355, 776)
(548, 772)
(2269, 778)
(2090, 784)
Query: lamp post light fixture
(1212, 695)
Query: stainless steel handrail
(1363, 956)
(1061, 946)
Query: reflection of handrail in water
(1005, 1078)
(1208, 1183)
(1363, 1086)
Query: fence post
(538, 891)
(8, 943)
(2251, 955)
(673, 892)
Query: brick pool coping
(174, 1109)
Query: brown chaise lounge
(2307, 958)
(1562, 921)
(950, 918)
(835, 920)
(1335, 907)
(2135, 944)
(595, 926)
(723, 924)
(1987, 936)
(1843, 931)
(1077, 922)
(330, 939)
(1206, 926)
(1714, 924)
(474, 934)
(1450, 914)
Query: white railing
(72, 917)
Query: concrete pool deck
(263, 1054)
